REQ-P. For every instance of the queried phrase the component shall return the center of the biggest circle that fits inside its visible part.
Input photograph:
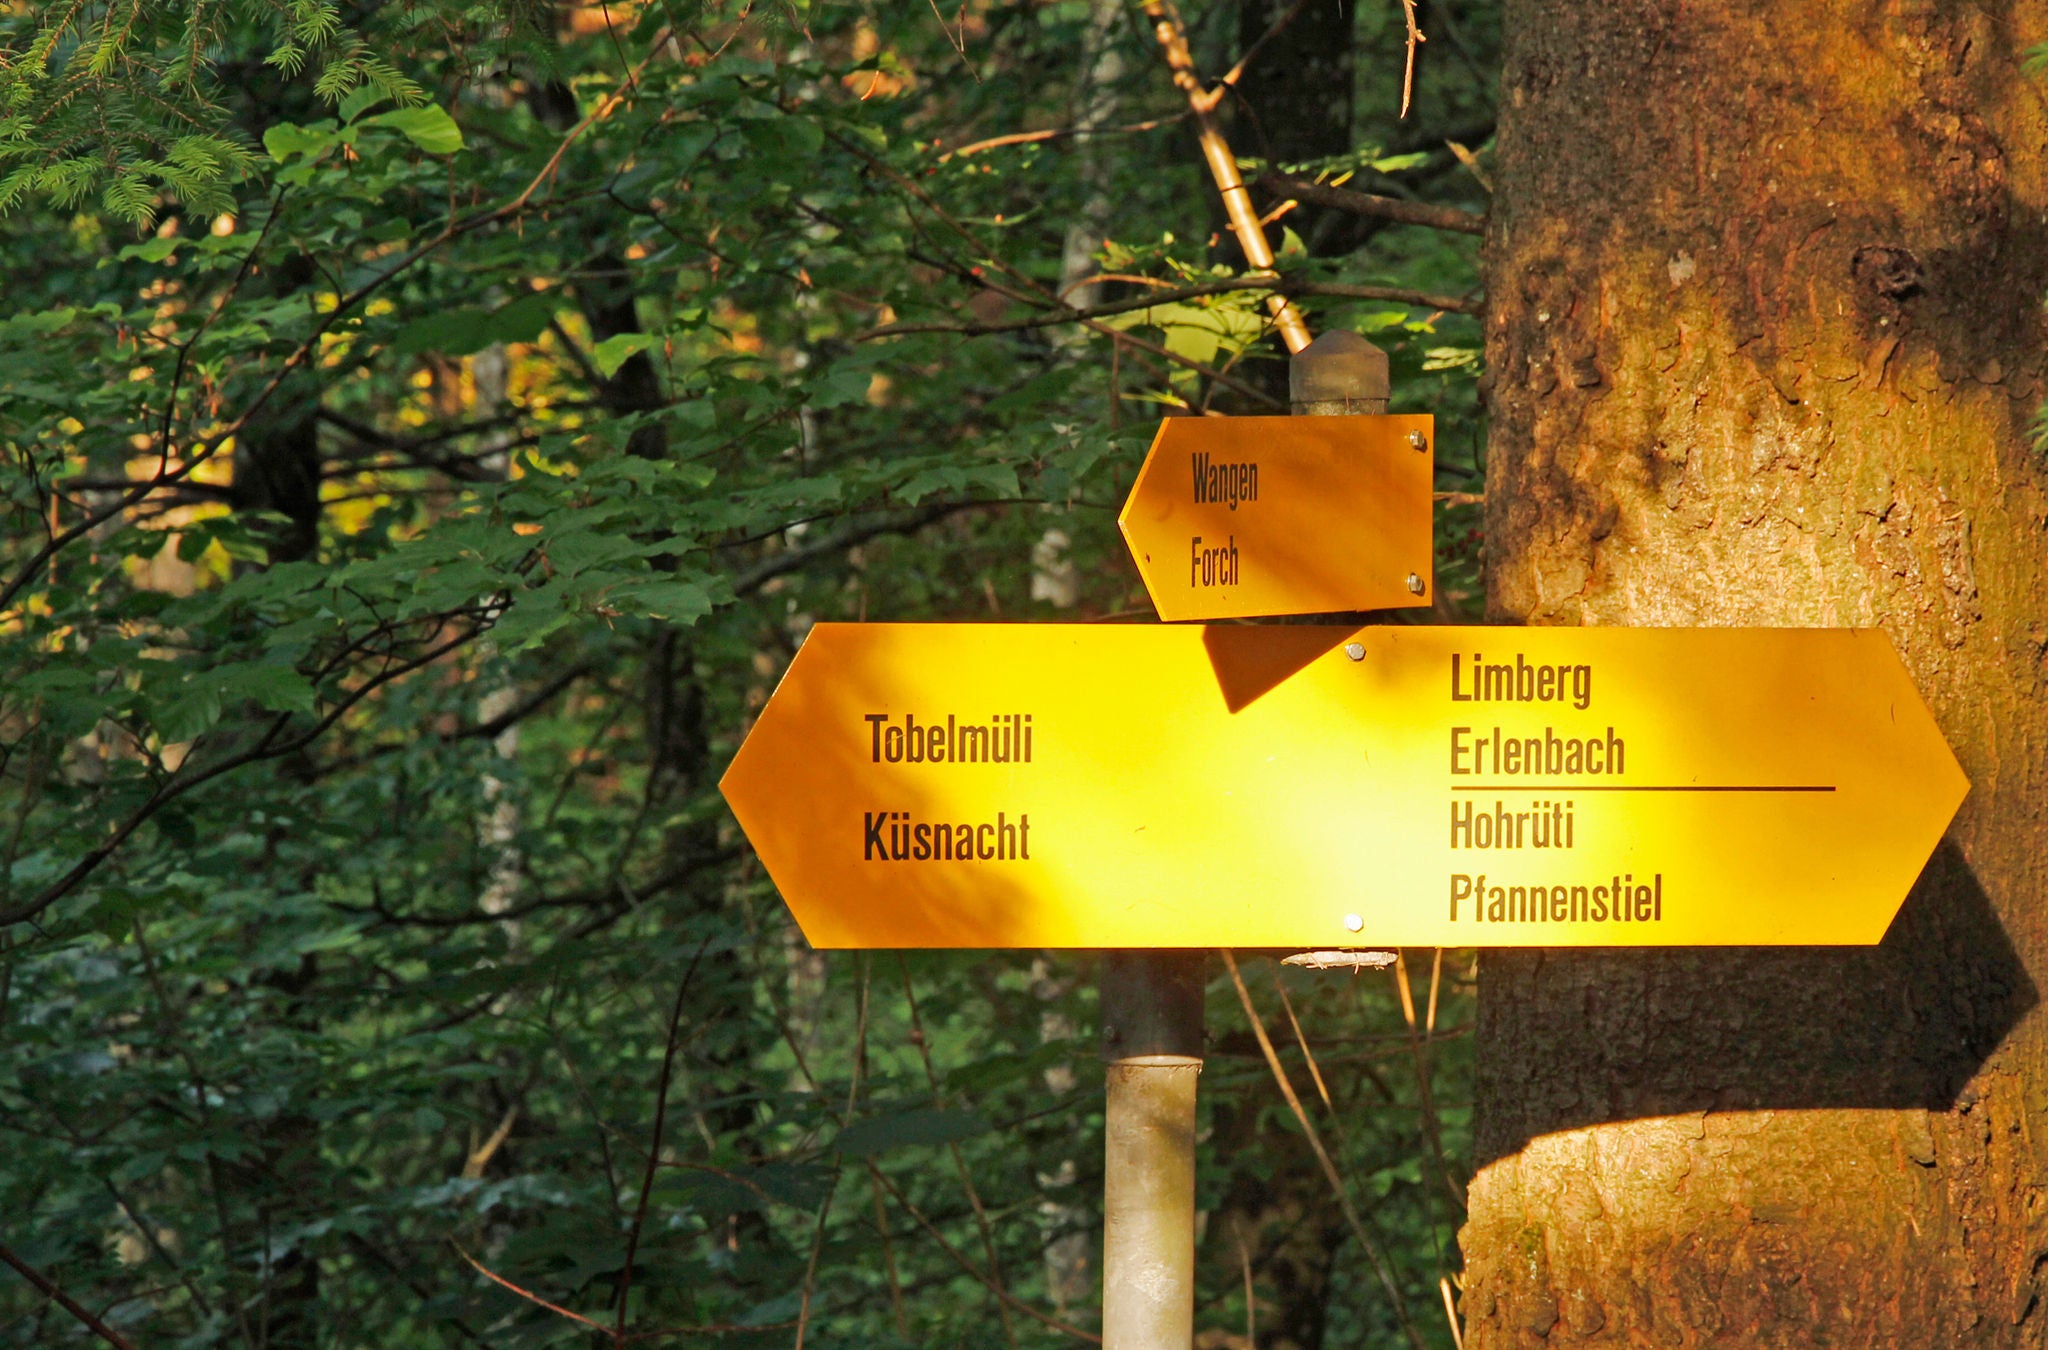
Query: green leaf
(154, 250)
(1396, 163)
(1198, 331)
(186, 716)
(285, 139)
(523, 320)
(430, 128)
(616, 350)
(273, 687)
(39, 323)
(924, 1126)
(840, 389)
(465, 331)
(664, 598)
(360, 102)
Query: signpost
(1155, 790)
(1073, 785)
(1237, 516)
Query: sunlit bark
(1765, 339)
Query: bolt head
(1414, 584)
(1353, 922)
(1355, 650)
(1418, 441)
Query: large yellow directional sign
(1064, 785)
(1235, 516)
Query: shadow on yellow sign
(1249, 662)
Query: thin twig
(889, 1259)
(860, 1060)
(1443, 1284)
(1422, 1077)
(1059, 134)
(751, 578)
(1032, 291)
(1436, 979)
(1251, 53)
(267, 746)
(988, 1240)
(306, 349)
(1251, 1303)
(488, 729)
(1415, 39)
(708, 1329)
(1373, 1252)
(668, 1058)
(803, 1311)
(1301, 1038)
(49, 1290)
(1146, 345)
(960, 1259)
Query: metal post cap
(1338, 367)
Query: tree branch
(267, 746)
(774, 565)
(1033, 292)
(485, 730)
(344, 306)
(1060, 134)
(1372, 205)
(1455, 304)
(63, 1300)
(668, 1056)
(1400, 295)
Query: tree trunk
(1765, 336)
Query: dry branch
(1374, 1254)
(1237, 203)
(1371, 205)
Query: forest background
(429, 430)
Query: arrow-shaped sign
(1237, 516)
(1071, 785)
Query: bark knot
(1887, 271)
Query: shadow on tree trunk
(1898, 1026)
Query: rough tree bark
(1765, 338)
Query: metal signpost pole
(1152, 1023)
(1339, 374)
(1152, 1044)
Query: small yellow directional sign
(1073, 785)
(1236, 516)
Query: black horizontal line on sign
(1555, 785)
